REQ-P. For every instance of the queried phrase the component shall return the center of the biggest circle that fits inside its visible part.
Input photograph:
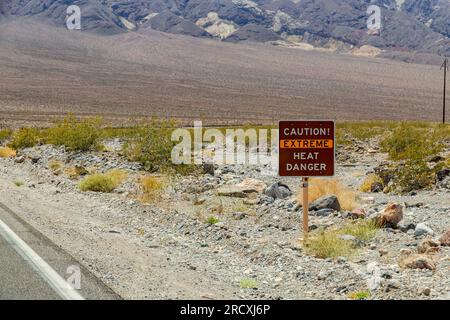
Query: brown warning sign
(306, 148)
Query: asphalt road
(30, 270)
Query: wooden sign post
(306, 149)
(305, 208)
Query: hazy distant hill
(414, 26)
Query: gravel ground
(167, 250)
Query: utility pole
(445, 67)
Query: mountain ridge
(414, 27)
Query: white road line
(64, 289)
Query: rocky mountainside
(419, 26)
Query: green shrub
(248, 284)
(5, 134)
(359, 295)
(411, 141)
(212, 220)
(151, 145)
(18, 183)
(366, 186)
(414, 143)
(361, 130)
(363, 230)
(75, 134)
(25, 138)
(414, 175)
(329, 244)
(103, 182)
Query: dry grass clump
(363, 230)
(6, 152)
(55, 165)
(75, 172)
(321, 187)
(369, 181)
(107, 182)
(152, 188)
(329, 243)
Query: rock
(254, 184)
(405, 226)
(235, 191)
(419, 261)
(414, 205)
(199, 201)
(428, 246)
(252, 202)
(324, 212)
(445, 183)
(19, 159)
(325, 202)
(208, 168)
(341, 260)
(322, 275)
(368, 199)
(376, 187)
(247, 188)
(435, 159)
(278, 190)
(358, 213)
(440, 175)
(445, 239)
(267, 200)
(35, 158)
(422, 229)
(391, 216)
(239, 215)
(382, 252)
(425, 291)
(392, 285)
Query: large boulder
(419, 261)
(358, 213)
(325, 202)
(278, 190)
(235, 191)
(445, 239)
(422, 229)
(390, 216)
(254, 184)
(246, 188)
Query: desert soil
(47, 72)
(165, 249)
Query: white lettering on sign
(306, 155)
(306, 131)
(306, 166)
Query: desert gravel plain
(47, 72)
